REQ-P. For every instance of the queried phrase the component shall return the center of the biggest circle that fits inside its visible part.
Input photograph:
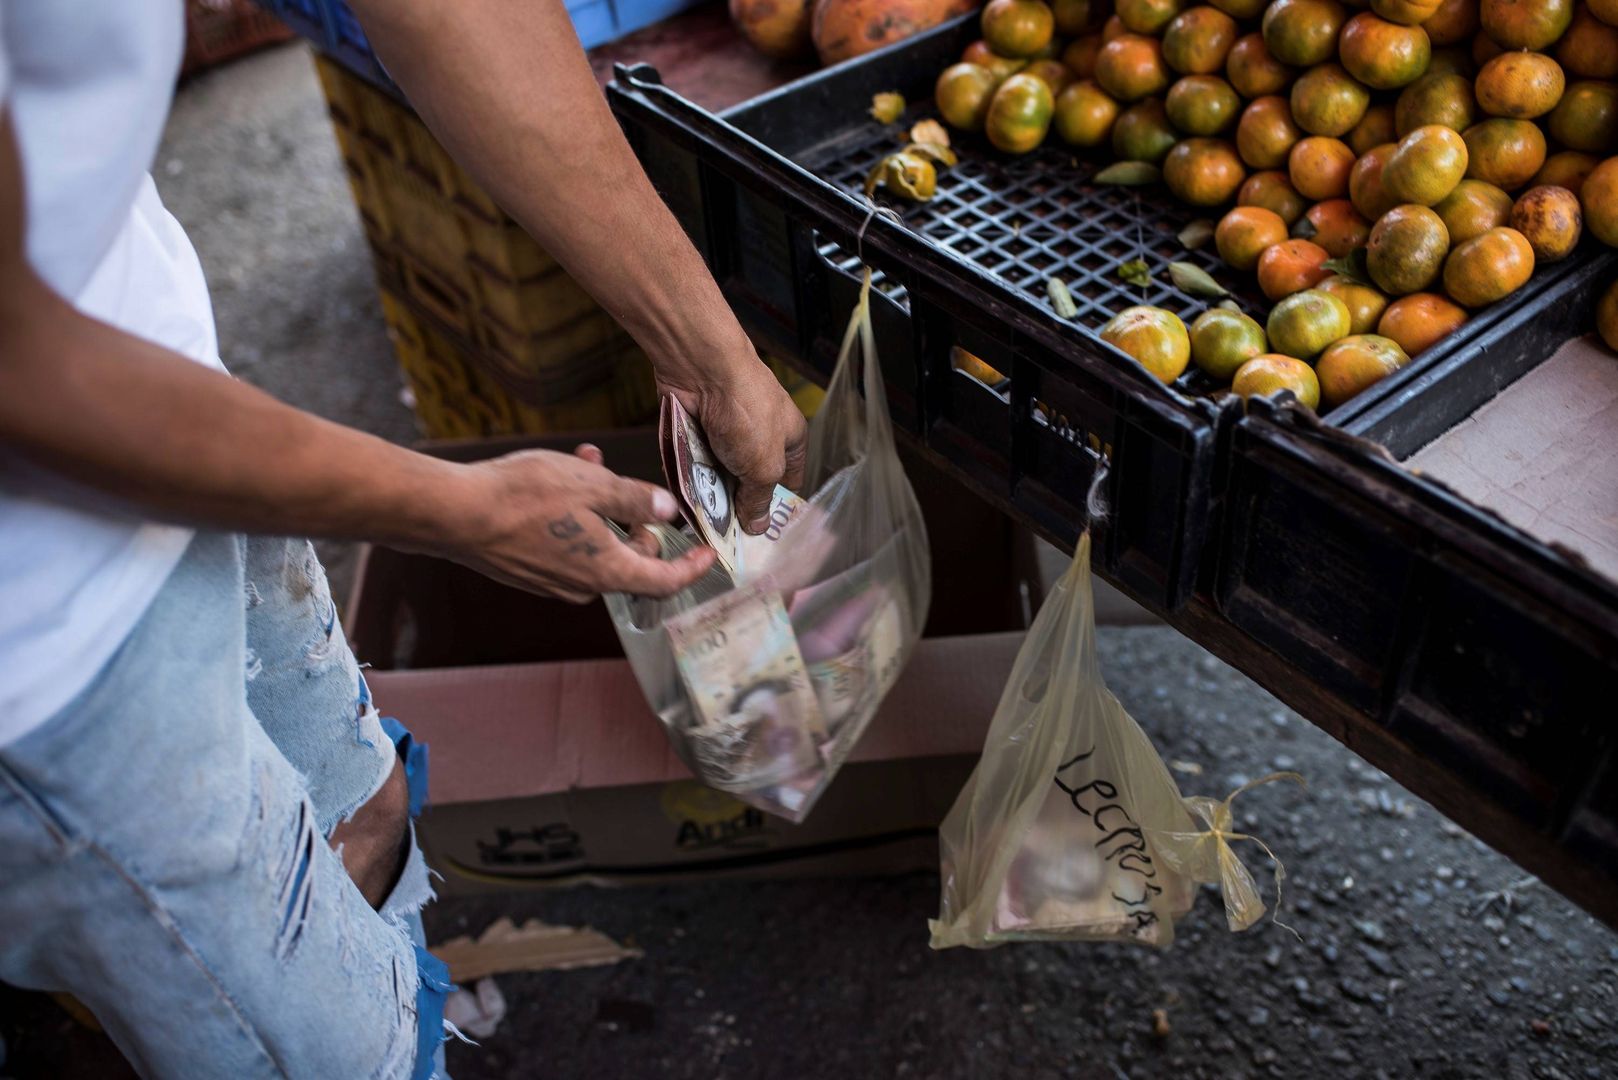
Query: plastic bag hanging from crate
(765, 683)
(1071, 827)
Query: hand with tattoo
(538, 520)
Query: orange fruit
(1607, 316)
(1435, 99)
(1245, 233)
(1605, 10)
(1202, 105)
(1452, 60)
(1224, 340)
(1198, 39)
(1587, 117)
(1074, 17)
(1003, 67)
(1291, 266)
(1302, 32)
(1365, 304)
(1272, 190)
(1356, 363)
(1327, 101)
(963, 93)
(1053, 73)
(1472, 209)
(1143, 133)
(1567, 169)
(1406, 12)
(1338, 227)
(1147, 16)
(1406, 250)
(1375, 128)
(1381, 54)
(1154, 337)
(1080, 55)
(1425, 168)
(1113, 28)
(1506, 153)
(1550, 220)
(1319, 167)
(1589, 49)
(1084, 115)
(1253, 71)
(1017, 27)
(1019, 114)
(1488, 268)
(1365, 188)
(1203, 172)
(1421, 320)
(1131, 67)
(1525, 24)
(1266, 133)
(1305, 322)
(1451, 23)
(1272, 373)
(1519, 84)
(1599, 197)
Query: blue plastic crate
(332, 27)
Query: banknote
(756, 719)
(706, 494)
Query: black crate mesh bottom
(1032, 218)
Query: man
(203, 829)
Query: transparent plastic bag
(765, 684)
(1071, 827)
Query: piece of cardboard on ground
(1543, 453)
(534, 946)
(548, 768)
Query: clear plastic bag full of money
(765, 676)
(1071, 827)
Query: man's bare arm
(187, 443)
(506, 88)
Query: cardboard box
(549, 769)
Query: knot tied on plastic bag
(1207, 855)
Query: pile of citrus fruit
(1384, 167)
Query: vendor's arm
(187, 443)
(505, 86)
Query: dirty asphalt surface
(1418, 950)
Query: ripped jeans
(163, 851)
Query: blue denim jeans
(163, 839)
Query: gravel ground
(1419, 950)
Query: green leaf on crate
(1129, 174)
(1196, 234)
(1229, 305)
(1351, 266)
(1303, 229)
(1195, 281)
(887, 107)
(1061, 298)
(1136, 272)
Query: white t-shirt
(87, 85)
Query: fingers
(753, 503)
(632, 502)
(644, 542)
(797, 447)
(631, 572)
(591, 453)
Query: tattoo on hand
(585, 547)
(565, 528)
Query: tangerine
(1525, 24)
(1587, 117)
(1147, 16)
(1198, 40)
(1291, 266)
(1273, 191)
(1451, 23)
(1589, 49)
(1406, 250)
(1419, 321)
(1084, 115)
(1425, 168)
(1356, 363)
(1017, 27)
(1202, 105)
(1326, 100)
(1266, 133)
(1003, 67)
(1472, 209)
(1319, 167)
(1074, 17)
(1272, 373)
(1381, 54)
(1080, 55)
(1253, 71)
(1506, 153)
(1435, 99)
(1019, 114)
(1143, 133)
(1406, 12)
(1566, 168)
(1131, 67)
(1338, 227)
(1302, 32)
(1519, 84)
(1203, 172)
(1224, 340)
(1488, 268)
(1376, 127)
(963, 93)
(1155, 338)
(1245, 233)
(1365, 304)
(1550, 220)
(1599, 197)
(1304, 323)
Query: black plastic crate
(1445, 646)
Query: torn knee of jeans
(254, 598)
(252, 666)
(411, 892)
